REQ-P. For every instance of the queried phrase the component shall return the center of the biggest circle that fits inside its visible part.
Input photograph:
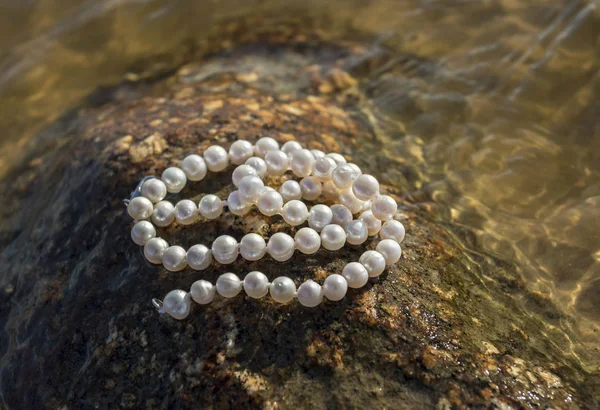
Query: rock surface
(80, 331)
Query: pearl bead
(390, 250)
(356, 275)
(356, 168)
(335, 287)
(307, 241)
(174, 258)
(242, 171)
(309, 294)
(302, 162)
(281, 247)
(253, 247)
(341, 215)
(290, 147)
(323, 168)
(199, 257)
(203, 292)
(178, 304)
(351, 202)
(270, 202)
(283, 289)
(319, 217)
(142, 232)
(374, 262)
(186, 212)
(373, 224)
(311, 188)
(154, 189)
(225, 249)
(250, 189)
(164, 214)
(210, 207)
(229, 285)
(356, 232)
(317, 153)
(259, 165)
(277, 162)
(365, 187)
(240, 151)
(194, 167)
(290, 190)
(154, 250)
(333, 237)
(140, 208)
(236, 205)
(392, 229)
(384, 207)
(294, 212)
(330, 191)
(256, 284)
(174, 178)
(343, 176)
(264, 145)
(338, 158)
(216, 158)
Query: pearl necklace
(328, 226)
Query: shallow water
(492, 108)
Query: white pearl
(225, 249)
(250, 189)
(317, 153)
(264, 145)
(154, 250)
(309, 294)
(390, 250)
(351, 202)
(210, 207)
(277, 162)
(199, 257)
(356, 168)
(330, 191)
(343, 176)
(256, 284)
(216, 158)
(294, 212)
(290, 147)
(323, 168)
(281, 246)
(335, 287)
(392, 229)
(203, 292)
(259, 165)
(374, 262)
(384, 207)
(270, 202)
(242, 171)
(174, 178)
(341, 215)
(164, 214)
(319, 217)
(140, 208)
(240, 151)
(253, 247)
(154, 189)
(333, 237)
(186, 212)
(311, 188)
(142, 232)
(178, 304)
(302, 162)
(356, 275)
(338, 158)
(229, 285)
(236, 205)
(356, 232)
(373, 224)
(365, 187)
(290, 190)
(174, 258)
(194, 167)
(307, 241)
(283, 289)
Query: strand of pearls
(330, 227)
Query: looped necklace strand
(330, 227)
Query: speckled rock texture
(80, 331)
